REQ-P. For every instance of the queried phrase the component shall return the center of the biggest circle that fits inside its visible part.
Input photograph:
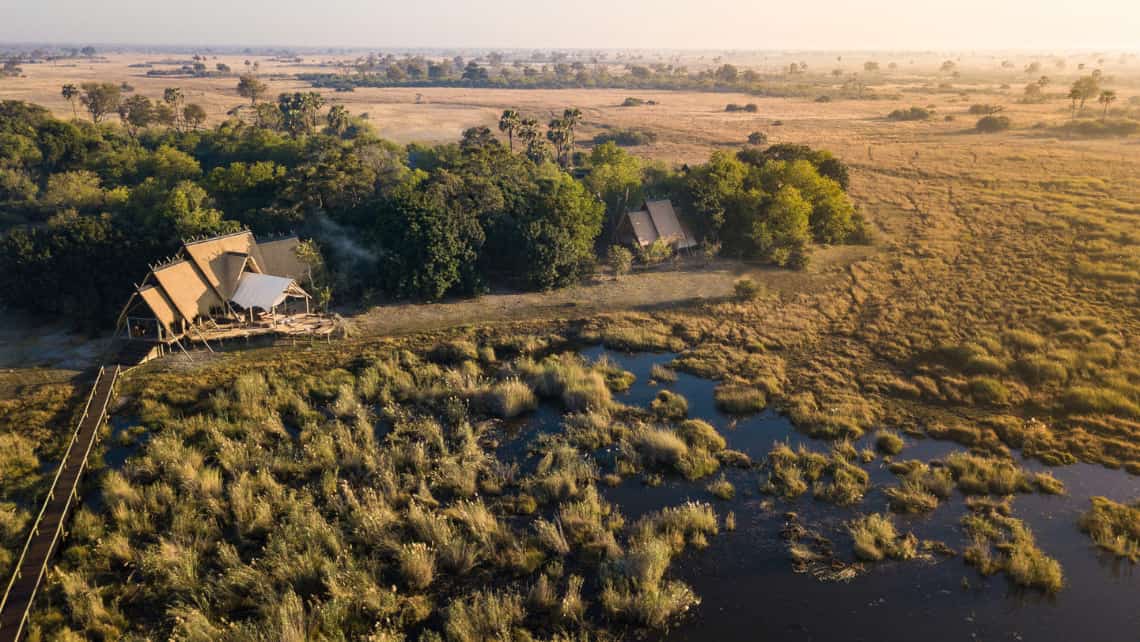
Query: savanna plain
(934, 433)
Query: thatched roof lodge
(228, 279)
(656, 220)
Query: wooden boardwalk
(31, 567)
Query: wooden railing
(47, 529)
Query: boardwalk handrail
(16, 570)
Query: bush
(992, 124)
(746, 289)
(626, 137)
(757, 138)
(751, 108)
(914, 113)
(620, 260)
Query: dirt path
(685, 284)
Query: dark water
(749, 591)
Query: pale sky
(1043, 25)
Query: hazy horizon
(830, 25)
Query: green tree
(251, 87)
(782, 235)
(562, 221)
(193, 115)
(136, 112)
(615, 176)
(100, 99)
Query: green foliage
(432, 223)
(620, 260)
(626, 137)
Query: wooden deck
(296, 325)
(47, 530)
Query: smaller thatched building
(655, 221)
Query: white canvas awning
(264, 291)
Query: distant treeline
(88, 206)
(422, 72)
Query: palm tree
(70, 93)
(1074, 96)
(556, 134)
(570, 119)
(1106, 98)
(509, 122)
(338, 120)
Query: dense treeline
(389, 71)
(87, 206)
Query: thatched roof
(656, 220)
(211, 273)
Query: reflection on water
(749, 591)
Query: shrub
(914, 113)
(757, 138)
(992, 124)
(751, 108)
(620, 260)
(626, 137)
(746, 289)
